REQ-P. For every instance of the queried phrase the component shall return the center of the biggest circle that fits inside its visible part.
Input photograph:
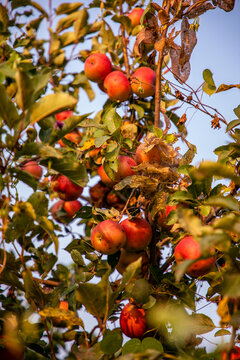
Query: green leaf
(237, 111)
(202, 323)
(222, 332)
(124, 20)
(51, 104)
(132, 346)
(67, 21)
(112, 341)
(33, 290)
(209, 86)
(211, 168)
(141, 291)
(223, 201)
(151, 343)
(139, 109)
(67, 8)
(40, 203)
(99, 141)
(82, 81)
(77, 257)
(24, 90)
(25, 177)
(233, 124)
(112, 120)
(8, 110)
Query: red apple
(33, 168)
(97, 67)
(66, 189)
(143, 82)
(139, 233)
(108, 237)
(63, 305)
(152, 156)
(133, 321)
(58, 206)
(117, 86)
(126, 258)
(64, 115)
(71, 207)
(163, 214)
(74, 136)
(135, 16)
(235, 354)
(189, 249)
(125, 164)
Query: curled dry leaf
(180, 72)
(144, 37)
(162, 173)
(226, 5)
(198, 9)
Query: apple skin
(74, 136)
(33, 168)
(71, 207)
(64, 115)
(162, 216)
(152, 156)
(97, 67)
(139, 233)
(235, 354)
(135, 16)
(126, 258)
(125, 164)
(66, 189)
(133, 321)
(188, 248)
(117, 86)
(143, 82)
(108, 237)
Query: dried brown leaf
(226, 5)
(144, 37)
(198, 10)
(180, 72)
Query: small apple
(189, 249)
(152, 156)
(108, 237)
(71, 207)
(235, 354)
(33, 168)
(74, 136)
(97, 67)
(138, 232)
(135, 16)
(133, 321)
(64, 115)
(126, 258)
(163, 214)
(143, 82)
(66, 189)
(125, 164)
(117, 86)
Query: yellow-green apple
(108, 237)
(152, 156)
(97, 66)
(74, 136)
(133, 321)
(189, 249)
(135, 16)
(33, 168)
(66, 189)
(143, 82)
(117, 86)
(63, 115)
(126, 258)
(235, 354)
(125, 164)
(138, 232)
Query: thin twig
(124, 42)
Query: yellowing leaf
(223, 311)
(87, 144)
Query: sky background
(217, 49)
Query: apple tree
(150, 235)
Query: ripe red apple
(74, 136)
(133, 321)
(126, 258)
(135, 16)
(117, 86)
(188, 248)
(97, 67)
(64, 115)
(66, 189)
(152, 156)
(162, 215)
(71, 207)
(143, 82)
(108, 237)
(63, 305)
(139, 233)
(235, 354)
(33, 168)
(125, 164)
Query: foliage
(36, 83)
